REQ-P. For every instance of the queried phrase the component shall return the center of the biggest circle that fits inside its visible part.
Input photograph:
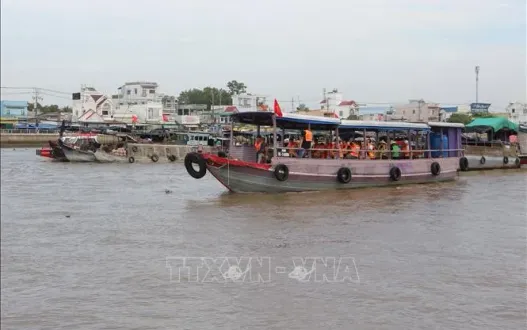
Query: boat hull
(74, 155)
(475, 162)
(104, 157)
(319, 175)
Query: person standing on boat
(259, 146)
(307, 139)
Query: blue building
(10, 111)
(13, 109)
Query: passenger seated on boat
(292, 145)
(317, 152)
(406, 149)
(371, 149)
(382, 150)
(394, 148)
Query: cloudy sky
(371, 50)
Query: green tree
(302, 107)
(236, 87)
(208, 95)
(458, 117)
(353, 117)
(483, 115)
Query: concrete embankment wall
(26, 139)
(144, 152)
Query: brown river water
(102, 246)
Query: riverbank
(26, 140)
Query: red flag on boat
(165, 117)
(277, 109)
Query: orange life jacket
(355, 148)
(258, 145)
(309, 135)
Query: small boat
(81, 150)
(239, 171)
(495, 151)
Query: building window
(128, 92)
(513, 110)
(341, 113)
(135, 91)
(413, 111)
(143, 93)
(105, 113)
(525, 111)
(151, 91)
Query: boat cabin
(284, 128)
(191, 138)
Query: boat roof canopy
(493, 123)
(445, 124)
(286, 121)
(382, 125)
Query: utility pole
(325, 98)
(476, 69)
(212, 105)
(292, 104)
(36, 98)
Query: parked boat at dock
(522, 142)
(495, 151)
(240, 172)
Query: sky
(373, 51)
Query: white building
(417, 111)
(140, 99)
(250, 102)
(335, 103)
(517, 112)
(90, 101)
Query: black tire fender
(281, 172)
(222, 154)
(435, 168)
(517, 162)
(463, 163)
(131, 160)
(134, 149)
(482, 160)
(195, 158)
(344, 175)
(505, 160)
(171, 158)
(395, 173)
(154, 158)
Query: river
(102, 246)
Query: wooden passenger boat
(239, 172)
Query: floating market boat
(496, 151)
